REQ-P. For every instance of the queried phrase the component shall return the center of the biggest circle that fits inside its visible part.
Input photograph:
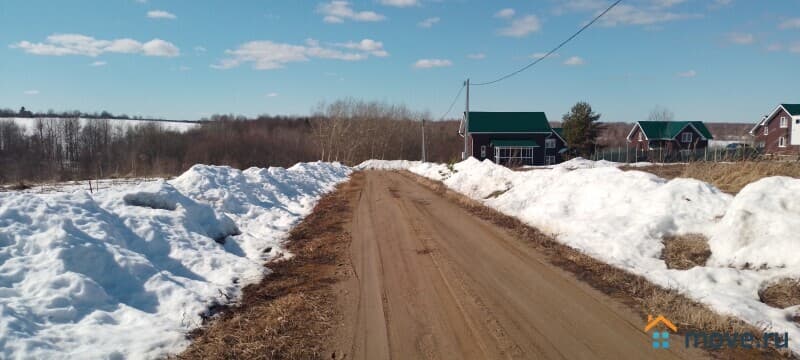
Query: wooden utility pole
(464, 156)
(423, 141)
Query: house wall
(555, 152)
(669, 145)
(770, 140)
(479, 140)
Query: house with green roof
(513, 138)
(669, 136)
(778, 133)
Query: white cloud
(370, 46)
(687, 74)
(574, 61)
(31, 92)
(477, 56)
(667, 3)
(579, 5)
(98, 64)
(645, 15)
(337, 11)
(522, 26)
(400, 3)
(161, 14)
(795, 48)
(428, 22)
(272, 94)
(269, 55)
(790, 24)
(77, 44)
(506, 13)
(184, 68)
(722, 3)
(432, 63)
(200, 49)
(158, 47)
(741, 38)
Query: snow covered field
(29, 124)
(126, 271)
(621, 217)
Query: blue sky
(711, 60)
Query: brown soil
(728, 177)
(782, 294)
(685, 251)
(289, 314)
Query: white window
(784, 122)
(766, 130)
(550, 143)
(483, 151)
(686, 137)
(549, 160)
(640, 136)
(782, 141)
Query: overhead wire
(551, 52)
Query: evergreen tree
(581, 128)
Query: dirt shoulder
(290, 313)
(634, 291)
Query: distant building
(669, 136)
(514, 138)
(779, 132)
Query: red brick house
(669, 136)
(779, 132)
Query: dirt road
(431, 281)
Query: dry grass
(685, 251)
(728, 177)
(782, 294)
(630, 289)
(289, 314)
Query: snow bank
(762, 227)
(620, 217)
(127, 271)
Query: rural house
(669, 137)
(773, 133)
(513, 138)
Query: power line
(554, 49)
(454, 102)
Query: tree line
(25, 113)
(349, 131)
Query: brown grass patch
(782, 294)
(289, 314)
(728, 177)
(630, 289)
(684, 252)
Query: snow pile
(621, 217)
(126, 272)
(762, 227)
(386, 165)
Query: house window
(784, 122)
(549, 160)
(686, 137)
(640, 136)
(782, 141)
(550, 143)
(766, 130)
(483, 151)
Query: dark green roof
(793, 109)
(516, 143)
(508, 122)
(668, 130)
(559, 132)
